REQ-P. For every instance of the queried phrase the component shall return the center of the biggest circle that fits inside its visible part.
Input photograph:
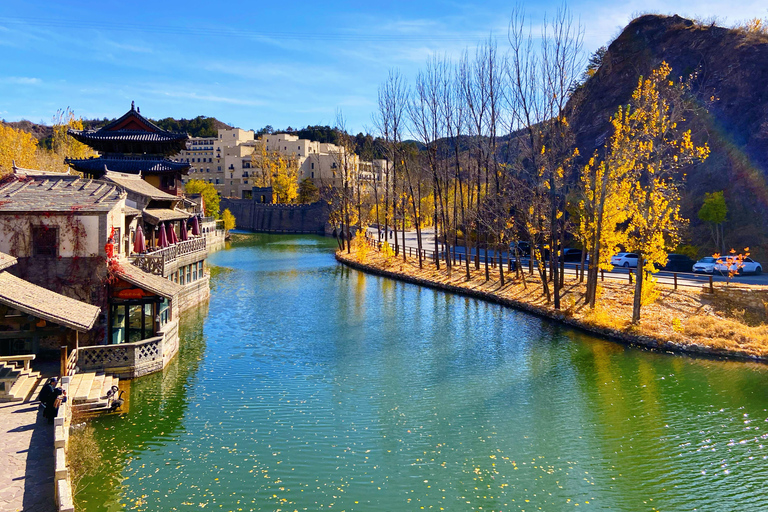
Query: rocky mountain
(728, 69)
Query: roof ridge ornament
(133, 105)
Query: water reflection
(311, 386)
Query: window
(182, 275)
(189, 273)
(200, 269)
(313, 175)
(194, 271)
(219, 168)
(131, 321)
(164, 313)
(45, 241)
(313, 165)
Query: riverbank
(687, 321)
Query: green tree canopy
(211, 198)
(714, 210)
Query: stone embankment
(664, 331)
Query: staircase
(88, 391)
(17, 384)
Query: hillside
(200, 126)
(729, 69)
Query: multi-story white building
(227, 161)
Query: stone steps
(18, 384)
(89, 391)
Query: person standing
(51, 397)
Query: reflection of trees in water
(156, 410)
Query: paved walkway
(26, 459)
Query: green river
(305, 385)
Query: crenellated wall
(279, 218)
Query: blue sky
(255, 63)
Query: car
(624, 259)
(705, 265)
(678, 263)
(572, 255)
(524, 248)
(749, 266)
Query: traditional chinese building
(85, 239)
(133, 144)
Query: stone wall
(279, 218)
(194, 293)
(131, 360)
(753, 299)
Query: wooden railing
(68, 362)
(677, 279)
(154, 262)
(25, 359)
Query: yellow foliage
(16, 145)
(276, 171)
(229, 220)
(361, 246)
(388, 253)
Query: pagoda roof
(131, 127)
(130, 165)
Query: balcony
(164, 261)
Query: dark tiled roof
(134, 183)
(149, 282)
(87, 137)
(143, 130)
(128, 165)
(43, 303)
(21, 193)
(6, 260)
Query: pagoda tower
(134, 145)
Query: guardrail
(68, 362)
(154, 262)
(24, 359)
(676, 280)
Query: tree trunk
(638, 289)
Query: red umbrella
(172, 239)
(184, 234)
(163, 239)
(195, 226)
(139, 245)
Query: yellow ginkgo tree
(660, 149)
(16, 146)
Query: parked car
(624, 259)
(572, 255)
(524, 248)
(705, 265)
(750, 266)
(679, 263)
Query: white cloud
(21, 80)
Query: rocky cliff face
(729, 78)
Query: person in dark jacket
(48, 396)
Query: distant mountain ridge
(200, 126)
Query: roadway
(618, 273)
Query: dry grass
(83, 456)
(683, 319)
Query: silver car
(705, 265)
